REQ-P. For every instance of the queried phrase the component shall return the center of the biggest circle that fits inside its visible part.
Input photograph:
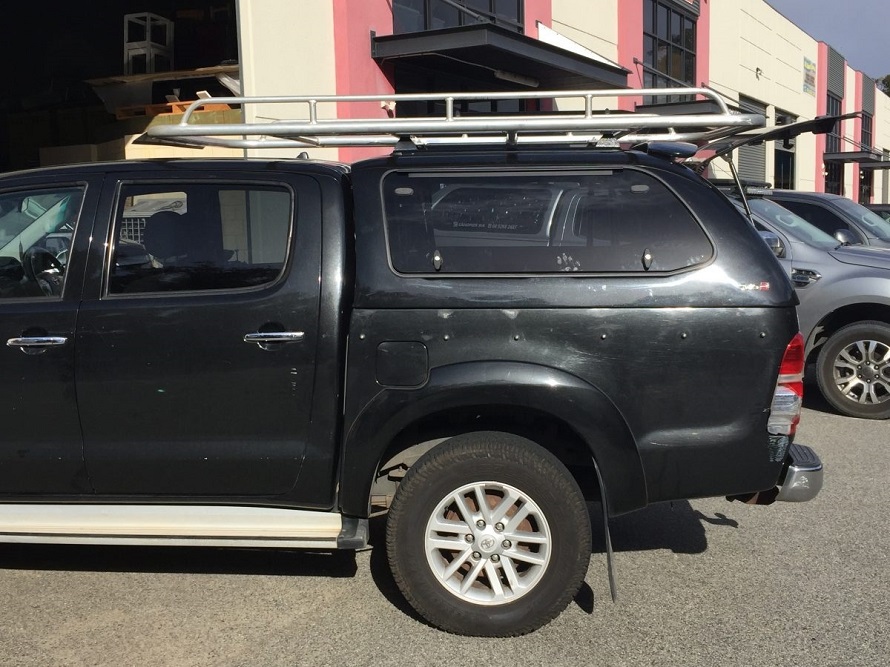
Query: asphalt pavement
(705, 582)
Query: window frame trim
(464, 17)
(117, 206)
(84, 186)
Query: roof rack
(589, 125)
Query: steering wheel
(41, 266)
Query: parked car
(882, 210)
(844, 290)
(460, 337)
(844, 309)
(838, 216)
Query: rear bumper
(801, 478)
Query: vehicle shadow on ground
(178, 560)
(812, 397)
(675, 526)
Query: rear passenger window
(603, 222)
(199, 237)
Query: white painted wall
(758, 53)
(591, 24)
(881, 129)
(287, 48)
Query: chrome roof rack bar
(313, 129)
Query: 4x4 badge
(755, 287)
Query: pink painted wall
(821, 109)
(857, 134)
(630, 46)
(703, 46)
(357, 73)
(537, 10)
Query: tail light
(788, 397)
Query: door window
(36, 228)
(199, 237)
(819, 216)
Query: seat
(166, 237)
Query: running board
(175, 525)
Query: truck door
(196, 352)
(41, 451)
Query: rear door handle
(36, 344)
(274, 337)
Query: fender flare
(857, 291)
(577, 403)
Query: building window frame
(784, 155)
(670, 41)
(423, 15)
(834, 171)
(866, 136)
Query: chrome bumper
(802, 478)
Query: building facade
(744, 49)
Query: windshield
(792, 223)
(874, 225)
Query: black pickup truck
(478, 341)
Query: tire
(516, 569)
(853, 370)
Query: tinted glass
(817, 215)
(36, 228)
(873, 224)
(407, 16)
(792, 223)
(603, 222)
(199, 237)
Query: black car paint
(665, 379)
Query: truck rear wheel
(488, 535)
(853, 370)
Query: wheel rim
(862, 372)
(488, 543)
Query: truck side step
(172, 525)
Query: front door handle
(274, 337)
(36, 344)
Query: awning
(865, 159)
(505, 55)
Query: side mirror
(846, 237)
(775, 243)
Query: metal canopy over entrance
(865, 159)
(500, 55)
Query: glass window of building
(421, 15)
(784, 155)
(866, 176)
(669, 42)
(834, 171)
